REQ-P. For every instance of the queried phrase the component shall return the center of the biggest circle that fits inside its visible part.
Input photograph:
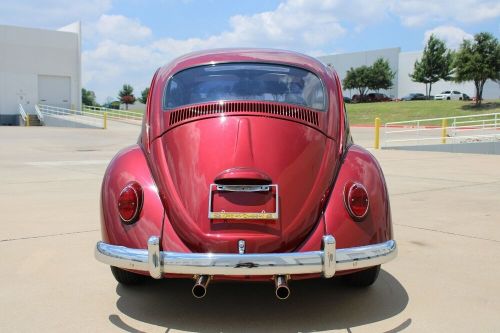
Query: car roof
(212, 57)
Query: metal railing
(73, 117)
(39, 113)
(24, 115)
(459, 129)
(114, 114)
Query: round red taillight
(356, 200)
(130, 202)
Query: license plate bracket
(224, 215)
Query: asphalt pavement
(446, 213)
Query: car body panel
(307, 154)
(188, 158)
(159, 121)
(359, 166)
(127, 166)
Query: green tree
(435, 65)
(375, 77)
(478, 61)
(144, 96)
(88, 97)
(126, 95)
(358, 78)
(381, 75)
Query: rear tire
(127, 278)
(447, 98)
(363, 278)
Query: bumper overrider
(327, 261)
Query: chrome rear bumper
(327, 261)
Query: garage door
(54, 90)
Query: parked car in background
(449, 95)
(377, 97)
(414, 97)
(371, 97)
(245, 170)
(466, 97)
(347, 99)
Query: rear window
(245, 81)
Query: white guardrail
(71, 117)
(23, 114)
(39, 113)
(121, 115)
(460, 129)
(89, 115)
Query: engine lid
(262, 178)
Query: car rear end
(244, 153)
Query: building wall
(406, 85)
(27, 53)
(402, 63)
(343, 62)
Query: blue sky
(124, 41)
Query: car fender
(359, 166)
(130, 165)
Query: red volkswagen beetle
(245, 170)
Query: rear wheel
(448, 98)
(127, 278)
(363, 278)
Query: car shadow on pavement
(314, 305)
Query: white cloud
(296, 24)
(111, 64)
(453, 36)
(118, 28)
(123, 49)
(421, 12)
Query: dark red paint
(309, 154)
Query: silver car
(449, 95)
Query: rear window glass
(244, 81)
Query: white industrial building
(402, 64)
(38, 66)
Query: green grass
(365, 113)
(139, 112)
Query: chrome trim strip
(242, 188)
(328, 261)
(154, 256)
(329, 256)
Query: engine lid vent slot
(293, 111)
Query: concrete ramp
(75, 121)
(465, 148)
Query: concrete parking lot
(446, 210)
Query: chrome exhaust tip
(281, 283)
(200, 286)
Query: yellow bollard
(28, 120)
(376, 145)
(443, 131)
(105, 120)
